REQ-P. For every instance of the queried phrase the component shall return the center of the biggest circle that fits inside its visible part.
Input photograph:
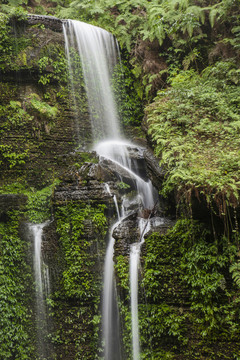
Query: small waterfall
(114, 199)
(42, 285)
(144, 227)
(112, 348)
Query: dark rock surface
(50, 22)
(11, 201)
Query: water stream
(144, 227)
(42, 289)
(111, 333)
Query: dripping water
(114, 199)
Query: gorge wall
(189, 304)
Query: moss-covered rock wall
(38, 125)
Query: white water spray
(117, 152)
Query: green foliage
(15, 118)
(224, 10)
(15, 321)
(181, 28)
(235, 270)
(5, 42)
(122, 273)
(126, 91)
(195, 126)
(78, 278)
(172, 18)
(186, 291)
(74, 305)
(11, 46)
(12, 156)
(39, 203)
(41, 108)
(52, 65)
(123, 186)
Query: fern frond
(179, 4)
(212, 16)
(235, 270)
(198, 12)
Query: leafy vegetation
(15, 276)
(187, 302)
(189, 258)
(195, 126)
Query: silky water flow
(99, 54)
(42, 289)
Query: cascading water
(42, 286)
(99, 53)
(112, 348)
(144, 227)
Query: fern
(212, 15)
(235, 270)
(195, 127)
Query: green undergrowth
(195, 127)
(16, 341)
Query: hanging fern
(235, 270)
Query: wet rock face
(154, 171)
(11, 201)
(125, 234)
(50, 22)
(87, 183)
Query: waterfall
(42, 289)
(110, 308)
(99, 54)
